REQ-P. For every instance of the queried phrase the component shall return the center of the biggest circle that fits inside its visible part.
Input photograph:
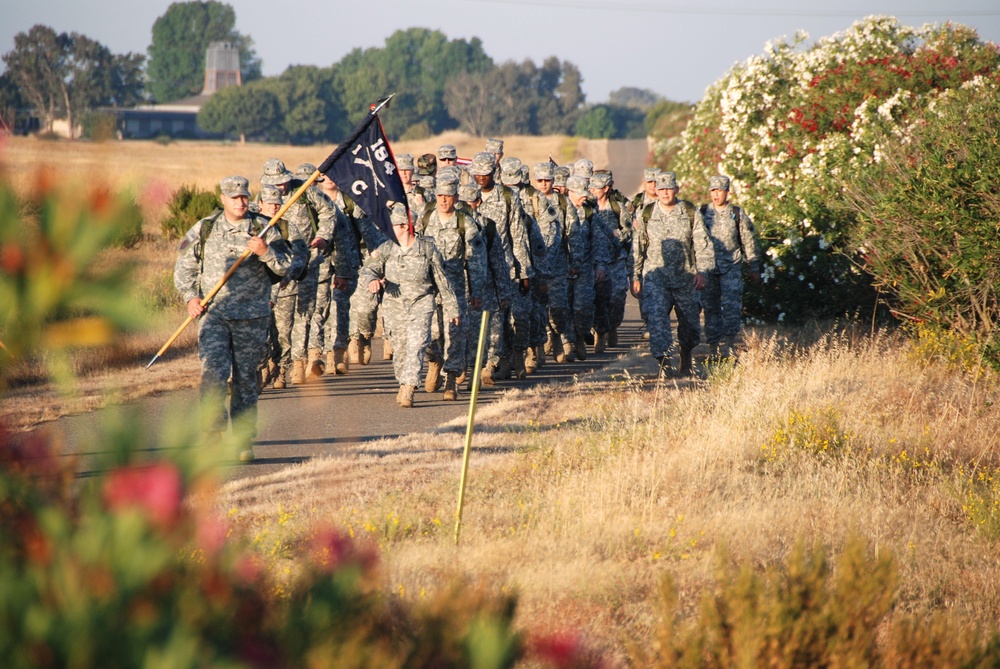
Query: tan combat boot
(354, 351)
(298, 372)
(558, 348)
(569, 354)
(365, 345)
(602, 343)
(338, 361)
(386, 349)
(550, 343)
(315, 367)
(462, 377)
(279, 380)
(433, 377)
(450, 387)
(486, 377)
(530, 361)
(581, 346)
(406, 396)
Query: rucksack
(647, 213)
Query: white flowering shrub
(795, 125)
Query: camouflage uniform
(615, 221)
(413, 276)
(363, 305)
(735, 242)
(589, 251)
(669, 248)
(232, 333)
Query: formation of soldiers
(551, 253)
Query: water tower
(222, 67)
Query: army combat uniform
(614, 220)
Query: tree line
(440, 84)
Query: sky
(675, 48)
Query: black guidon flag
(364, 167)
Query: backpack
(255, 226)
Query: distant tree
(309, 108)
(596, 123)
(243, 111)
(634, 98)
(471, 100)
(180, 38)
(37, 66)
(11, 101)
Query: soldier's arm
(748, 238)
(704, 251)
(187, 269)
(280, 256)
(476, 261)
(374, 267)
(449, 302)
(373, 237)
(578, 230)
(326, 212)
(519, 236)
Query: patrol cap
(543, 170)
(666, 180)
(235, 187)
(649, 174)
(427, 182)
(449, 173)
(578, 184)
(304, 171)
(718, 182)
(404, 161)
(494, 146)
(469, 193)
(583, 168)
(525, 175)
(447, 152)
(426, 164)
(510, 171)
(275, 173)
(600, 179)
(446, 188)
(483, 163)
(559, 175)
(270, 194)
(397, 213)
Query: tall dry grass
(583, 497)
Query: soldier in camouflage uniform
(416, 196)
(735, 242)
(495, 147)
(615, 221)
(559, 176)
(673, 256)
(233, 331)
(463, 251)
(412, 274)
(590, 255)
(447, 156)
(640, 201)
(503, 206)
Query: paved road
(320, 418)
(628, 158)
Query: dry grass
(582, 497)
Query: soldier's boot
(613, 338)
(569, 353)
(539, 357)
(246, 455)
(645, 335)
(602, 343)
(451, 387)
(550, 343)
(315, 365)
(486, 376)
(386, 349)
(298, 372)
(365, 346)
(732, 346)
(502, 370)
(685, 369)
(433, 376)
(530, 361)
(279, 380)
(517, 369)
(399, 396)
(338, 361)
(665, 368)
(581, 345)
(406, 396)
(354, 351)
(462, 377)
(558, 348)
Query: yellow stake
(472, 417)
(239, 261)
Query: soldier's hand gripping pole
(239, 261)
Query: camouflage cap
(578, 184)
(397, 213)
(270, 194)
(447, 152)
(427, 164)
(559, 175)
(583, 168)
(718, 182)
(494, 146)
(543, 171)
(275, 173)
(427, 182)
(304, 171)
(449, 173)
(600, 179)
(666, 180)
(469, 193)
(235, 187)
(525, 175)
(482, 163)
(510, 171)
(649, 174)
(446, 188)
(404, 161)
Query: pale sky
(676, 49)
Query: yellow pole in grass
(483, 327)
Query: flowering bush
(793, 125)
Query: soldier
(615, 221)
(559, 176)
(503, 206)
(427, 165)
(233, 331)
(447, 155)
(735, 243)
(555, 219)
(590, 255)
(416, 196)
(673, 256)
(583, 168)
(463, 251)
(510, 173)
(495, 147)
(412, 274)
(647, 195)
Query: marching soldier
(614, 220)
(590, 256)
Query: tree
(642, 99)
(243, 111)
(37, 66)
(596, 123)
(470, 99)
(11, 102)
(309, 106)
(181, 36)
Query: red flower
(211, 534)
(156, 490)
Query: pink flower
(330, 548)
(156, 490)
(211, 533)
(564, 650)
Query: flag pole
(382, 102)
(483, 326)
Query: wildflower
(155, 490)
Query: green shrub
(187, 206)
(99, 127)
(163, 140)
